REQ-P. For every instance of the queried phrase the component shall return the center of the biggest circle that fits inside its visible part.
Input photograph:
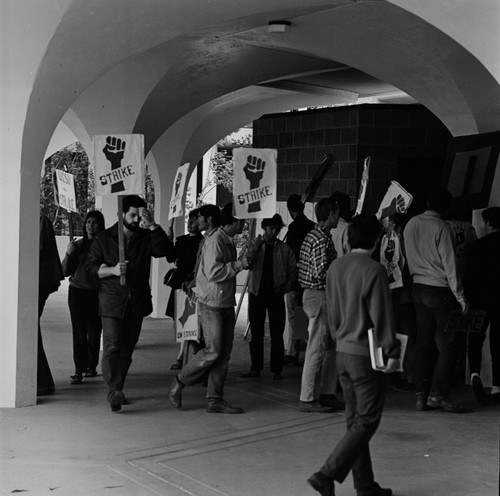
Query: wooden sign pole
(70, 223)
(121, 240)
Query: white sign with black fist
(254, 182)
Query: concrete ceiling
(187, 73)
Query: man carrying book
(358, 298)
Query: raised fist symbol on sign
(114, 152)
(254, 170)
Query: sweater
(358, 298)
(430, 251)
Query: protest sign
(473, 321)
(119, 164)
(396, 200)
(364, 185)
(186, 317)
(176, 206)
(391, 257)
(64, 190)
(254, 182)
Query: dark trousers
(364, 394)
(44, 379)
(86, 323)
(475, 347)
(437, 351)
(218, 331)
(275, 307)
(119, 339)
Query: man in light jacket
(215, 289)
(437, 290)
(273, 273)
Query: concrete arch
(176, 70)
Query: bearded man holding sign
(123, 307)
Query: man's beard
(131, 226)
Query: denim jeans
(364, 394)
(437, 350)
(218, 330)
(119, 339)
(275, 307)
(318, 375)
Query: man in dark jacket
(297, 231)
(122, 307)
(273, 273)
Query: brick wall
(389, 134)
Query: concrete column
(21, 162)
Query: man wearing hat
(273, 272)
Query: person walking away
(319, 377)
(215, 289)
(83, 300)
(482, 287)
(273, 273)
(358, 298)
(123, 307)
(183, 253)
(437, 289)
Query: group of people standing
(336, 280)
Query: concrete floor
(70, 444)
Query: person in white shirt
(437, 290)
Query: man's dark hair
(97, 215)
(133, 201)
(212, 211)
(439, 200)
(275, 220)
(294, 203)
(193, 213)
(323, 209)
(343, 201)
(363, 231)
(491, 215)
(400, 219)
(226, 214)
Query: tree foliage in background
(73, 160)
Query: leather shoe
(250, 374)
(479, 392)
(290, 360)
(374, 490)
(421, 404)
(322, 483)
(332, 401)
(116, 400)
(175, 393)
(443, 402)
(221, 406)
(314, 407)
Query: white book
(377, 354)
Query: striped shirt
(316, 254)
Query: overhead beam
(298, 87)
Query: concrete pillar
(21, 160)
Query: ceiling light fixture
(278, 26)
